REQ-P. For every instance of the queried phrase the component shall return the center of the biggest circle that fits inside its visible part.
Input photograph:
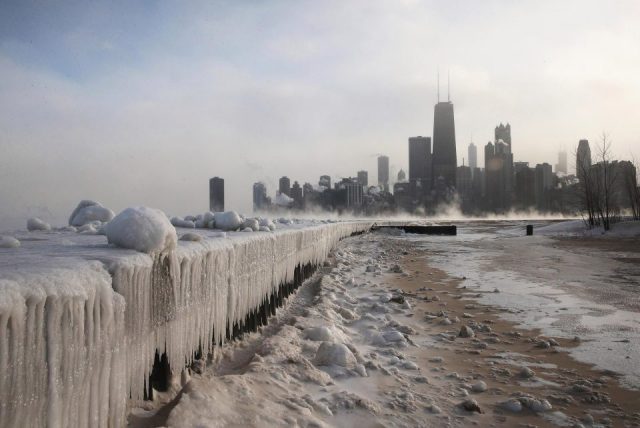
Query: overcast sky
(140, 103)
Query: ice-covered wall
(77, 340)
(61, 330)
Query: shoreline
(482, 357)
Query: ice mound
(142, 229)
(228, 220)
(89, 211)
(178, 222)
(35, 223)
(9, 242)
(192, 237)
(251, 223)
(324, 334)
(334, 354)
(265, 222)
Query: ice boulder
(89, 211)
(335, 354)
(142, 229)
(34, 223)
(9, 242)
(228, 220)
(193, 237)
(265, 222)
(178, 222)
(252, 223)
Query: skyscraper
(503, 133)
(285, 186)
(325, 181)
(583, 158)
(444, 145)
(562, 162)
(216, 194)
(383, 172)
(296, 194)
(363, 178)
(473, 156)
(419, 158)
(259, 196)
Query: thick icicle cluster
(60, 348)
(75, 342)
(189, 298)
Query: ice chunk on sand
(334, 354)
(142, 229)
(324, 334)
(89, 211)
(228, 220)
(34, 223)
(9, 242)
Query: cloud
(144, 109)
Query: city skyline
(148, 109)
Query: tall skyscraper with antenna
(444, 142)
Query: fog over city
(141, 105)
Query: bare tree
(605, 177)
(586, 190)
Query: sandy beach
(386, 335)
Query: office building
(363, 178)
(216, 194)
(444, 161)
(259, 196)
(285, 186)
(383, 172)
(473, 156)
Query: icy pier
(82, 322)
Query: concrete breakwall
(82, 323)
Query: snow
(142, 229)
(35, 223)
(624, 229)
(89, 211)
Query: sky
(140, 103)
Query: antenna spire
(448, 87)
(438, 84)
